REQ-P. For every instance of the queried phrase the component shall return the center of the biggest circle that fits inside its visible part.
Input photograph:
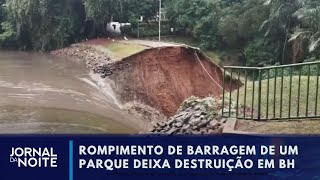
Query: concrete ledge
(230, 126)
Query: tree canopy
(49, 24)
(264, 31)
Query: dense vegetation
(49, 24)
(264, 32)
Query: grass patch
(213, 55)
(182, 40)
(122, 50)
(280, 127)
(297, 107)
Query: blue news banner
(158, 157)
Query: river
(44, 94)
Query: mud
(164, 77)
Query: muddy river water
(40, 93)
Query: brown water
(40, 93)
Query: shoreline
(198, 118)
(97, 62)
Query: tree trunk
(285, 41)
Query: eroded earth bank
(156, 84)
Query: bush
(147, 30)
(295, 72)
(7, 36)
(126, 30)
(259, 53)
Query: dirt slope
(164, 77)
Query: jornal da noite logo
(34, 157)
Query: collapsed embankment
(157, 78)
(164, 77)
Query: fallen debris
(196, 116)
(143, 111)
(160, 79)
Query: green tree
(240, 22)
(43, 24)
(198, 18)
(98, 12)
(134, 9)
(307, 28)
(294, 22)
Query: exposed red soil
(164, 77)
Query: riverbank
(101, 62)
(153, 83)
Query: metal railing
(272, 93)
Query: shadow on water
(45, 94)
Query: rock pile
(108, 69)
(96, 60)
(104, 70)
(195, 116)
